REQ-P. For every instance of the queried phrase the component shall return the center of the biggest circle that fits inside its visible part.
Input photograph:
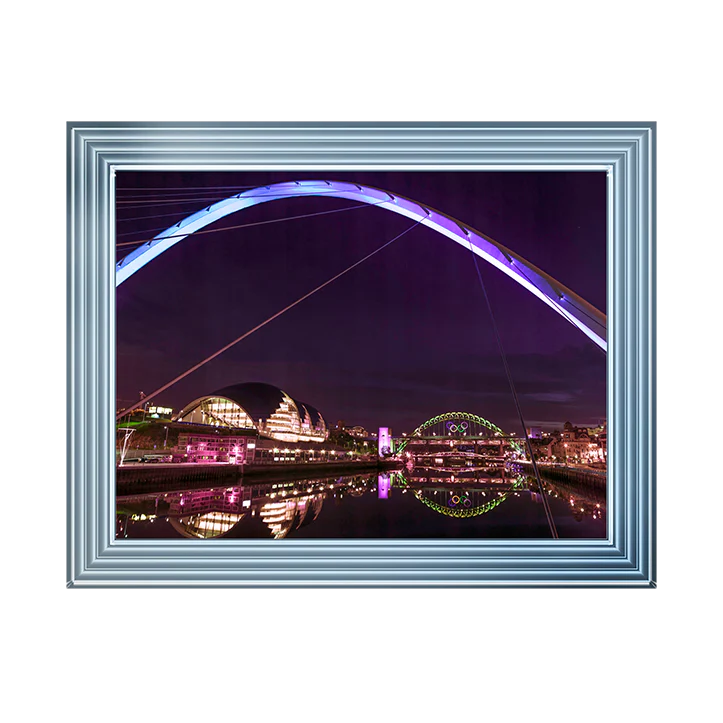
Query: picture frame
(625, 151)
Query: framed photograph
(361, 354)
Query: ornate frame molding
(625, 150)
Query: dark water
(387, 506)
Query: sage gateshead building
(262, 408)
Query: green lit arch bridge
(458, 434)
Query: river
(408, 504)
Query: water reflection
(272, 508)
(455, 496)
(394, 504)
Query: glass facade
(290, 421)
(284, 424)
(219, 412)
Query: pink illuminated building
(194, 447)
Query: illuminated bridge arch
(460, 511)
(591, 321)
(458, 419)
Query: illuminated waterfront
(399, 504)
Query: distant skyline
(397, 340)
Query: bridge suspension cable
(140, 402)
(211, 200)
(245, 225)
(176, 191)
(128, 219)
(510, 380)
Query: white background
(136, 655)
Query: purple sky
(402, 337)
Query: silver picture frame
(626, 151)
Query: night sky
(397, 340)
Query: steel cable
(140, 402)
(545, 502)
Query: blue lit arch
(591, 321)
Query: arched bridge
(456, 427)
(573, 308)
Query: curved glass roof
(270, 410)
(258, 399)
